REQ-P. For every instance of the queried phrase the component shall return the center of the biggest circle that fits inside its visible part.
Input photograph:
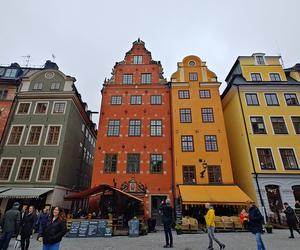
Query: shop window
(133, 163)
(189, 174)
(110, 163)
(185, 115)
(214, 174)
(279, 126)
(265, 158)
(274, 198)
(258, 126)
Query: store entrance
(156, 201)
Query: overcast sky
(88, 37)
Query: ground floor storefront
(273, 190)
(39, 197)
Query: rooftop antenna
(27, 59)
(279, 54)
(53, 57)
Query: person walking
(210, 225)
(256, 221)
(54, 230)
(10, 225)
(291, 219)
(167, 218)
(27, 224)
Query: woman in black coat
(291, 219)
(54, 231)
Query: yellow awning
(220, 194)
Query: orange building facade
(133, 151)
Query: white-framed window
(137, 59)
(23, 108)
(55, 86)
(46, 169)
(41, 108)
(256, 77)
(260, 60)
(34, 135)
(53, 135)
(6, 166)
(59, 107)
(275, 77)
(15, 135)
(37, 86)
(25, 169)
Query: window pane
(113, 128)
(53, 135)
(146, 78)
(214, 174)
(155, 100)
(156, 162)
(189, 174)
(252, 100)
(15, 135)
(133, 163)
(59, 107)
(183, 94)
(291, 99)
(288, 159)
(211, 143)
(187, 144)
(116, 100)
(110, 163)
(46, 170)
(258, 126)
(25, 169)
(34, 135)
(207, 115)
(193, 76)
(185, 115)
(296, 123)
(23, 108)
(5, 168)
(136, 99)
(134, 128)
(279, 126)
(155, 127)
(127, 79)
(204, 94)
(265, 158)
(271, 99)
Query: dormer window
(275, 77)
(55, 86)
(256, 77)
(260, 60)
(38, 86)
(137, 59)
(10, 73)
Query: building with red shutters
(133, 151)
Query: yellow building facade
(200, 149)
(262, 117)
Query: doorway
(156, 201)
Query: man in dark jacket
(291, 219)
(167, 215)
(10, 225)
(27, 224)
(256, 221)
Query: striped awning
(25, 193)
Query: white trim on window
(46, 112)
(277, 74)
(33, 164)
(296, 158)
(292, 124)
(46, 137)
(250, 124)
(40, 165)
(17, 113)
(260, 55)
(12, 167)
(35, 125)
(261, 79)
(9, 134)
(287, 128)
(52, 112)
(261, 147)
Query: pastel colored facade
(201, 160)
(48, 146)
(262, 117)
(133, 151)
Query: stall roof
(218, 194)
(24, 192)
(2, 189)
(95, 190)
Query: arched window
(274, 198)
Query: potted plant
(178, 229)
(269, 227)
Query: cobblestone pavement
(234, 241)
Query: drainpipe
(251, 156)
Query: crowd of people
(50, 226)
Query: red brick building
(133, 151)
